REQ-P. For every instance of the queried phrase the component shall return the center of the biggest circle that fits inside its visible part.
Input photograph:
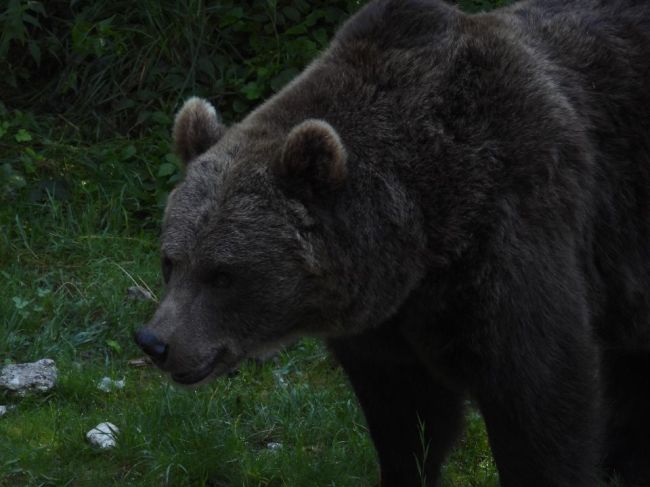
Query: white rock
(5, 409)
(140, 293)
(104, 435)
(273, 445)
(107, 384)
(21, 379)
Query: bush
(126, 63)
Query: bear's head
(244, 255)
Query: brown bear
(459, 205)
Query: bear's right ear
(197, 127)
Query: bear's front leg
(412, 419)
(537, 381)
(545, 432)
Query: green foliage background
(122, 63)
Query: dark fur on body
(464, 212)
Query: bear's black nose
(152, 345)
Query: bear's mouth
(219, 365)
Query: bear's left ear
(197, 127)
(313, 160)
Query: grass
(66, 260)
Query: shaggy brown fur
(460, 206)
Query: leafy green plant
(18, 21)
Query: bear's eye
(221, 279)
(218, 278)
(166, 265)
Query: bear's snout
(152, 345)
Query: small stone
(21, 379)
(103, 435)
(273, 445)
(140, 293)
(107, 384)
